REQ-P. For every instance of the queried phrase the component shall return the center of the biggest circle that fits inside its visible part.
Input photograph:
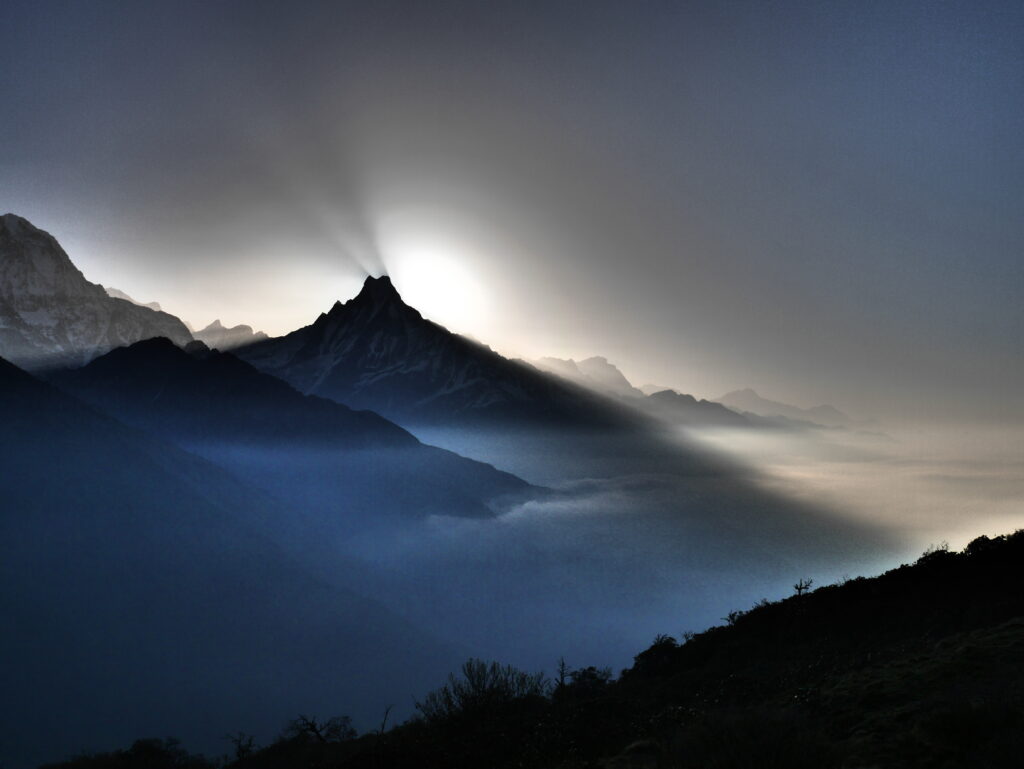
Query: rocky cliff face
(51, 316)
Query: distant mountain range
(665, 404)
(748, 400)
(118, 294)
(51, 316)
(221, 338)
(761, 412)
(682, 408)
(596, 373)
(371, 352)
(216, 335)
(376, 352)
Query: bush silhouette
(482, 686)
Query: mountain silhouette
(51, 316)
(255, 424)
(595, 372)
(377, 352)
(685, 409)
(118, 294)
(748, 400)
(144, 589)
(217, 336)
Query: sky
(824, 201)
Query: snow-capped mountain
(50, 315)
(376, 352)
(219, 337)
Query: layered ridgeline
(220, 337)
(667, 405)
(317, 454)
(50, 315)
(594, 372)
(119, 294)
(682, 408)
(748, 400)
(144, 589)
(376, 352)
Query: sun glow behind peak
(435, 276)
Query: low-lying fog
(595, 571)
(627, 537)
(921, 484)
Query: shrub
(482, 686)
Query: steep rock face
(219, 337)
(376, 352)
(50, 315)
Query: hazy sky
(821, 200)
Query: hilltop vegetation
(922, 666)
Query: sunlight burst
(434, 275)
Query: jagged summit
(375, 293)
(379, 289)
(376, 352)
(377, 298)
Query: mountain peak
(378, 290)
(14, 223)
(377, 296)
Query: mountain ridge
(226, 410)
(52, 316)
(748, 399)
(221, 337)
(375, 351)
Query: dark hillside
(920, 667)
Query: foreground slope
(921, 667)
(50, 315)
(305, 448)
(143, 589)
